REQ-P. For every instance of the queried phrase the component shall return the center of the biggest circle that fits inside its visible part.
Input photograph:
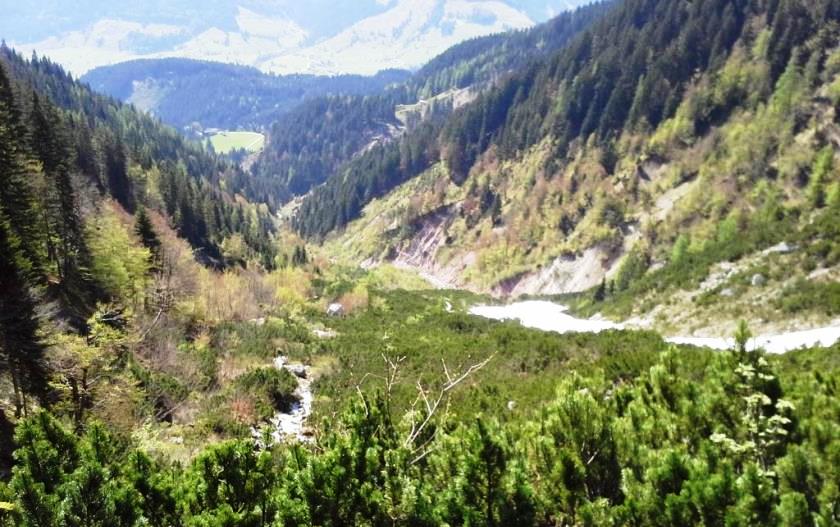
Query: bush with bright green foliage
(811, 296)
(752, 441)
(117, 262)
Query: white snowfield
(543, 315)
(548, 316)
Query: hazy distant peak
(283, 36)
(285, 31)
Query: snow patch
(548, 316)
(545, 316)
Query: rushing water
(288, 426)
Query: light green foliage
(120, 264)
(680, 249)
(820, 173)
(229, 484)
(417, 326)
(271, 388)
(63, 480)
(634, 267)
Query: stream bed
(292, 426)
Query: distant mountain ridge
(318, 139)
(183, 92)
(362, 37)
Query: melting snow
(548, 316)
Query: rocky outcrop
(566, 274)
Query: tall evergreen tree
(63, 224)
(116, 173)
(16, 194)
(145, 230)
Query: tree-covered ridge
(747, 442)
(80, 177)
(319, 140)
(624, 75)
(135, 159)
(182, 92)
(486, 59)
(310, 143)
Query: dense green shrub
(748, 441)
(805, 295)
(272, 388)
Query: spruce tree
(116, 172)
(145, 230)
(16, 194)
(62, 221)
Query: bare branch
(364, 402)
(152, 325)
(432, 407)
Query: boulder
(298, 370)
(758, 280)
(782, 248)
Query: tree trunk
(16, 389)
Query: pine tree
(600, 291)
(62, 222)
(116, 173)
(16, 193)
(145, 230)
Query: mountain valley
(567, 265)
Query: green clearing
(226, 142)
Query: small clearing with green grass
(226, 142)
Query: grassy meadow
(226, 142)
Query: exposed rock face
(567, 274)
(422, 251)
(782, 248)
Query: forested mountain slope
(86, 186)
(184, 92)
(650, 140)
(311, 142)
(485, 59)
(321, 138)
(134, 158)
